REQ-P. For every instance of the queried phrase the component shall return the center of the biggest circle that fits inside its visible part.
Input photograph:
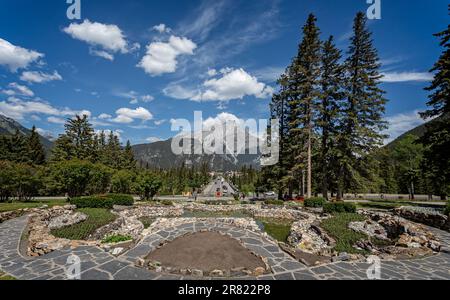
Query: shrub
(122, 181)
(102, 201)
(339, 207)
(315, 202)
(166, 202)
(147, 185)
(447, 210)
(114, 239)
(274, 202)
(71, 177)
(216, 202)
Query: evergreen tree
(37, 153)
(19, 150)
(328, 110)
(363, 111)
(437, 138)
(303, 79)
(81, 133)
(63, 149)
(128, 157)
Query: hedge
(274, 202)
(102, 201)
(315, 202)
(339, 207)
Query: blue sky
(133, 66)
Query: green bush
(447, 210)
(315, 202)
(216, 202)
(122, 182)
(339, 207)
(274, 202)
(102, 201)
(166, 202)
(114, 239)
(147, 185)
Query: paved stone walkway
(99, 265)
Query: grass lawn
(4, 207)
(337, 227)
(278, 229)
(97, 217)
(147, 221)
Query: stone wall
(427, 216)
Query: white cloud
(162, 28)
(135, 97)
(15, 57)
(109, 38)
(39, 77)
(162, 57)
(56, 120)
(117, 133)
(212, 72)
(17, 89)
(160, 122)
(234, 84)
(17, 109)
(46, 133)
(104, 116)
(147, 98)
(402, 123)
(127, 115)
(102, 54)
(177, 91)
(269, 74)
(406, 76)
(153, 139)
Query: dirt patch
(206, 251)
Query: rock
(140, 262)
(259, 271)
(197, 273)
(341, 257)
(216, 273)
(428, 216)
(117, 251)
(67, 219)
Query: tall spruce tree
(81, 132)
(128, 157)
(437, 138)
(303, 79)
(363, 110)
(328, 110)
(37, 153)
(19, 150)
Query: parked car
(270, 195)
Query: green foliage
(166, 202)
(337, 227)
(315, 202)
(102, 201)
(447, 209)
(274, 202)
(18, 180)
(339, 207)
(147, 221)
(122, 182)
(37, 153)
(4, 207)
(114, 239)
(217, 202)
(278, 229)
(97, 218)
(147, 185)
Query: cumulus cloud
(15, 57)
(109, 38)
(15, 89)
(17, 109)
(161, 57)
(104, 116)
(39, 77)
(406, 77)
(135, 97)
(162, 28)
(127, 115)
(56, 120)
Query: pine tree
(81, 133)
(303, 80)
(437, 138)
(128, 157)
(328, 109)
(19, 151)
(363, 111)
(63, 149)
(37, 153)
